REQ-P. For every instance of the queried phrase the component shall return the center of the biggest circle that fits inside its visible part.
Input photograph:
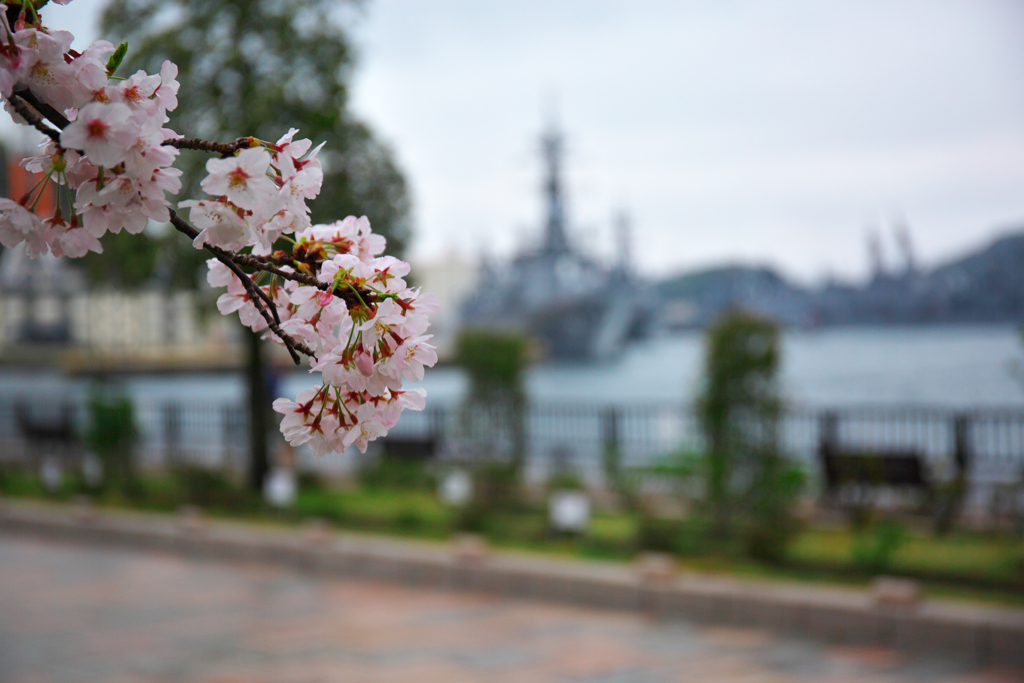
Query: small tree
(495, 406)
(495, 361)
(112, 434)
(747, 481)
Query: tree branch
(351, 297)
(55, 117)
(225, 149)
(36, 113)
(31, 114)
(256, 293)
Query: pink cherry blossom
(242, 179)
(102, 131)
(409, 358)
(17, 224)
(46, 74)
(219, 224)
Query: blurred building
(450, 278)
(49, 315)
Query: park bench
(854, 477)
(901, 469)
(49, 434)
(411, 447)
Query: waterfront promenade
(96, 613)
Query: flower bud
(364, 363)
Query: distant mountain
(694, 299)
(983, 287)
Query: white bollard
(569, 510)
(51, 475)
(456, 488)
(92, 470)
(280, 487)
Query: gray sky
(732, 131)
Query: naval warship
(575, 308)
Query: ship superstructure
(577, 308)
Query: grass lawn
(977, 555)
(964, 565)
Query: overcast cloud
(732, 131)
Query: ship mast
(555, 242)
(624, 239)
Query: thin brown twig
(351, 297)
(256, 293)
(225, 149)
(55, 117)
(273, 321)
(262, 302)
(30, 114)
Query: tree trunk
(259, 417)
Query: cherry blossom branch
(112, 135)
(256, 293)
(259, 298)
(55, 117)
(36, 113)
(351, 296)
(25, 110)
(225, 149)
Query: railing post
(172, 433)
(436, 427)
(949, 502)
(611, 453)
(961, 443)
(828, 442)
(232, 417)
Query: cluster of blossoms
(260, 195)
(364, 325)
(331, 296)
(111, 151)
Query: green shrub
(112, 433)
(211, 488)
(750, 488)
(495, 405)
(773, 495)
(873, 552)
(397, 473)
(496, 490)
(310, 481)
(566, 481)
(16, 480)
(409, 518)
(659, 534)
(694, 537)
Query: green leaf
(115, 59)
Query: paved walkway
(89, 614)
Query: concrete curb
(985, 635)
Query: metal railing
(566, 436)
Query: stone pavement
(80, 613)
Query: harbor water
(957, 367)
